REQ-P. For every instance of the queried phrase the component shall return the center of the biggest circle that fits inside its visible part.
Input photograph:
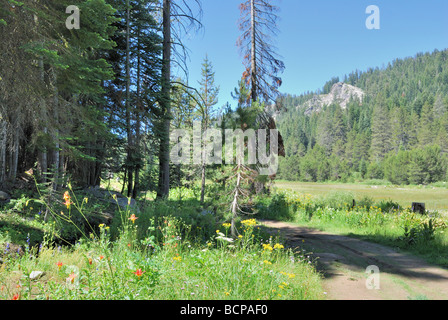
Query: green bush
(276, 207)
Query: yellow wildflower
(249, 222)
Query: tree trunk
(43, 154)
(135, 190)
(164, 152)
(3, 137)
(253, 53)
(128, 97)
(15, 154)
(235, 200)
(56, 136)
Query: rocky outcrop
(341, 93)
(4, 197)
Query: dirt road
(343, 262)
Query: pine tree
(209, 97)
(426, 134)
(258, 24)
(381, 138)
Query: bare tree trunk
(253, 53)
(15, 154)
(203, 178)
(235, 200)
(128, 97)
(135, 190)
(3, 137)
(43, 154)
(164, 152)
(56, 136)
(204, 144)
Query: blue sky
(319, 39)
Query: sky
(318, 39)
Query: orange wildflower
(133, 218)
(67, 199)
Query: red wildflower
(139, 273)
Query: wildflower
(67, 199)
(139, 273)
(59, 264)
(267, 262)
(133, 218)
(71, 277)
(218, 231)
(240, 236)
(267, 247)
(16, 297)
(101, 257)
(249, 223)
(101, 225)
(178, 259)
(227, 293)
(90, 261)
(278, 246)
(227, 225)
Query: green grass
(174, 250)
(174, 269)
(435, 196)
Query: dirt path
(343, 261)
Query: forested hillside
(398, 132)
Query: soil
(343, 263)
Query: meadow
(435, 196)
